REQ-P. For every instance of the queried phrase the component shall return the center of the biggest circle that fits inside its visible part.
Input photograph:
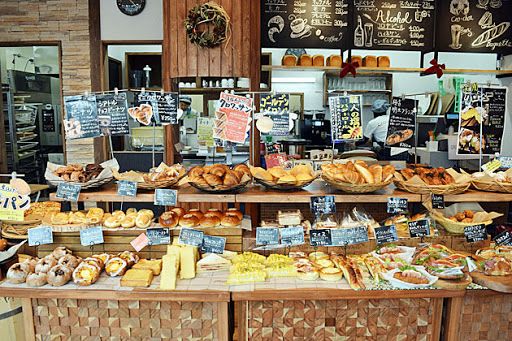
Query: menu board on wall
(304, 23)
(81, 117)
(113, 114)
(276, 107)
(402, 123)
(394, 25)
(475, 26)
(483, 111)
(346, 119)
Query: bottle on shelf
(359, 33)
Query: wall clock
(131, 7)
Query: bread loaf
(383, 61)
(305, 60)
(318, 60)
(289, 60)
(334, 60)
(357, 59)
(370, 61)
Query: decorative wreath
(208, 25)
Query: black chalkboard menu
(81, 117)
(393, 25)
(402, 123)
(276, 107)
(474, 26)
(113, 114)
(165, 105)
(346, 117)
(305, 23)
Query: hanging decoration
(434, 69)
(208, 25)
(349, 68)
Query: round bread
(331, 274)
(169, 219)
(324, 263)
(45, 264)
(148, 212)
(128, 222)
(308, 276)
(118, 214)
(236, 212)
(60, 252)
(217, 214)
(86, 274)
(17, 273)
(112, 222)
(116, 266)
(95, 211)
(59, 275)
(143, 220)
(196, 212)
(230, 221)
(315, 256)
(37, 279)
(211, 221)
(189, 220)
(69, 261)
(131, 210)
(180, 211)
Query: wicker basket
(158, 184)
(492, 186)
(18, 229)
(353, 188)
(429, 189)
(221, 189)
(285, 187)
(94, 183)
(456, 227)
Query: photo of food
(399, 136)
(142, 113)
(470, 143)
(472, 117)
(72, 128)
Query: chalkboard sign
(276, 107)
(504, 238)
(293, 235)
(437, 201)
(305, 23)
(397, 205)
(419, 228)
(349, 236)
(91, 236)
(81, 117)
(267, 236)
(323, 205)
(475, 233)
(386, 234)
(191, 237)
(474, 26)
(320, 237)
(402, 123)
(394, 25)
(40, 236)
(213, 244)
(158, 236)
(505, 162)
(346, 118)
(166, 197)
(113, 114)
(68, 191)
(165, 105)
(127, 188)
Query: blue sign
(158, 236)
(91, 236)
(267, 236)
(166, 197)
(127, 188)
(68, 191)
(293, 235)
(349, 236)
(212, 244)
(191, 237)
(40, 236)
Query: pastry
(179, 211)
(230, 220)
(189, 220)
(131, 210)
(399, 136)
(128, 221)
(365, 173)
(305, 60)
(331, 274)
(219, 176)
(69, 261)
(209, 221)
(143, 220)
(3, 244)
(60, 252)
(137, 278)
(370, 61)
(315, 256)
(376, 171)
(409, 274)
(236, 212)
(112, 222)
(169, 219)
(334, 60)
(318, 60)
(37, 279)
(86, 274)
(77, 218)
(155, 265)
(130, 257)
(497, 266)
(310, 275)
(213, 213)
(150, 213)
(59, 275)
(97, 262)
(383, 61)
(59, 218)
(45, 264)
(18, 273)
(196, 212)
(116, 266)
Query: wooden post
(28, 319)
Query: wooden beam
(28, 319)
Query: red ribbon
(349, 67)
(435, 69)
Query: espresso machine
(316, 128)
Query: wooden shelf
(501, 73)
(209, 90)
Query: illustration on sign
(402, 123)
(346, 117)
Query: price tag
(267, 236)
(127, 188)
(166, 197)
(386, 234)
(213, 244)
(293, 235)
(323, 205)
(40, 236)
(140, 242)
(159, 236)
(506, 161)
(504, 238)
(321, 237)
(397, 205)
(350, 236)
(191, 237)
(437, 201)
(91, 236)
(419, 228)
(68, 192)
(491, 166)
(475, 233)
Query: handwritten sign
(158, 236)
(191, 237)
(68, 191)
(320, 237)
(91, 236)
(81, 119)
(293, 235)
(386, 234)
(232, 118)
(205, 131)
(504, 238)
(140, 242)
(213, 244)
(323, 205)
(349, 236)
(505, 162)
(437, 201)
(127, 188)
(113, 114)
(402, 123)
(166, 197)
(419, 228)
(40, 236)
(346, 117)
(164, 105)
(397, 205)
(475, 233)
(267, 236)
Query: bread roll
(196, 212)
(318, 60)
(211, 221)
(230, 221)
(383, 61)
(305, 60)
(169, 219)
(59, 275)
(128, 222)
(236, 212)
(112, 222)
(37, 279)
(189, 220)
(143, 220)
(289, 60)
(217, 214)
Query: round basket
(456, 227)
(355, 188)
(159, 184)
(18, 229)
(221, 188)
(285, 187)
(429, 189)
(492, 186)
(94, 183)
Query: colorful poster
(232, 118)
(205, 131)
(346, 119)
(113, 114)
(277, 108)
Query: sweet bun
(60, 252)
(217, 214)
(77, 218)
(196, 212)
(37, 279)
(59, 275)
(128, 221)
(85, 274)
(211, 221)
(17, 273)
(60, 218)
(69, 261)
(45, 264)
(104, 257)
(179, 211)
(148, 212)
(169, 219)
(116, 266)
(118, 214)
(236, 212)
(95, 262)
(315, 256)
(131, 210)
(112, 222)
(143, 220)
(189, 220)
(230, 221)
(130, 257)
(95, 211)
(331, 274)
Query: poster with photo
(232, 118)
(346, 118)
(402, 123)
(277, 108)
(81, 119)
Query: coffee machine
(316, 128)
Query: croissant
(387, 172)
(377, 172)
(230, 180)
(218, 170)
(353, 177)
(212, 180)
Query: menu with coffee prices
(323, 205)
(127, 188)
(349, 236)
(481, 119)
(419, 228)
(475, 233)
(158, 236)
(81, 119)
(504, 238)
(91, 236)
(394, 25)
(386, 234)
(397, 205)
(346, 118)
(213, 244)
(320, 237)
(305, 23)
(277, 108)
(232, 118)
(68, 191)
(267, 236)
(402, 123)
(293, 235)
(40, 236)
(113, 114)
(475, 26)
(191, 237)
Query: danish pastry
(86, 274)
(116, 266)
(130, 257)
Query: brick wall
(64, 21)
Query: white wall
(118, 52)
(147, 25)
(45, 57)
